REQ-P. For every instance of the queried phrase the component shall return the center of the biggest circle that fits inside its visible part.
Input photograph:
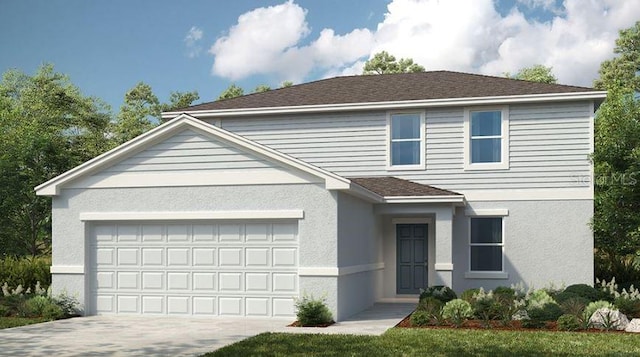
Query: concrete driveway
(131, 336)
(170, 336)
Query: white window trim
(480, 274)
(504, 160)
(419, 166)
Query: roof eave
(456, 199)
(407, 104)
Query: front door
(411, 258)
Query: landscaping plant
(313, 312)
(440, 292)
(457, 311)
(568, 322)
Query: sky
(106, 47)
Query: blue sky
(106, 47)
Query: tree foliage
(231, 92)
(535, 73)
(616, 222)
(47, 127)
(142, 111)
(622, 70)
(383, 62)
(262, 88)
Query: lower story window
(486, 244)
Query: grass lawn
(6, 322)
(438, 342)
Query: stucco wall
(318, 246)
(359, 245)
(545, 242)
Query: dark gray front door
(411, 258)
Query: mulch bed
(497, 325)
(297, 324)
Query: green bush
(532, 323)
(584, 291)
(539, 298)
(440, 292)
(546, 312)
(628, 306)
(312, 312)
(420, 318)
(430, 304)
(504, 291)
(486, 307)
(593, 306)
(574, 306)
(26, 272)
(457, 311)
(42, 306)
(469, 295)
(568, 322)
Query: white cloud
(461, 35)
(193, 37)
(266, 41)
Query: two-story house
(359, 189)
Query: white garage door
(242, 269)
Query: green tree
(46, 128)
(142, 111)
(179, 100)
(262, 88)
(622, 71)
(616, 222)
(231, 92)
(535, 73)
(383, 62)
(286, 84)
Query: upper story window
(406, 140)
(486, 139)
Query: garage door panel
(201, 269)
(153, 256)
(127, 233)
(178, 257)
(153, 304)
(128, 304)
(127, 256)
(230, 257)
(230, 306)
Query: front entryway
(411, 240)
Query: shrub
(312, 312)
(42, 306)
(574, 306)
(25, 272)
(420, 318)
(584, 291)
(429, 304)
(505, 292)
(568, 322)
(469, 295)
(485, 307)
(628, 306)
(457, 311)
(593, 306)
(539, 298)
(547, 312)
(440, 292)
(532, 323)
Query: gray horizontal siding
(549, 145)
(189, 151)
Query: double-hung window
(486, 139)
(406, 140)
(486, 244)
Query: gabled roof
(420, 88)
(52, 187)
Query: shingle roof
(386, 186)
(388, 87)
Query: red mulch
(497, 325)
(297, 324)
